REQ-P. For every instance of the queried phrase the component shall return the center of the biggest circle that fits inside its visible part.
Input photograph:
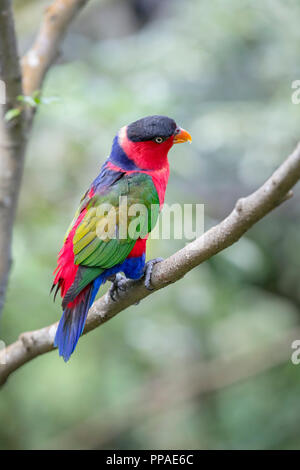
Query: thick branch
(46, 47)
(12, 140)
(247, 212)
(13, 133)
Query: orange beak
(182, 136)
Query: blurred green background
(206, 362)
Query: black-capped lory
(136, 171)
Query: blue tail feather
(72, 322)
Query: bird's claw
(118, 284)
(148, 271)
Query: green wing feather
(92, 251)
(95, 255)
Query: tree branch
(13, 134)
(46, 47)
(12, 140)
(246, 212)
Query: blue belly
(133, 268)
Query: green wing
(95, 253)
(98, 241)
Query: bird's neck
(119, 158)
(119, 161)
(139, 155)
(160, 180)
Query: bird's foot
(148, 271)
(118, 284)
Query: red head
(147, 141)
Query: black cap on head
(150, 127)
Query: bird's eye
(159, 140)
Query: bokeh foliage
(223, 70)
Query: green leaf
(37, 99)
(36, 95)
(28, 100)
(12, 113)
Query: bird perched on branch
(94, 248)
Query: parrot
(137, 169)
